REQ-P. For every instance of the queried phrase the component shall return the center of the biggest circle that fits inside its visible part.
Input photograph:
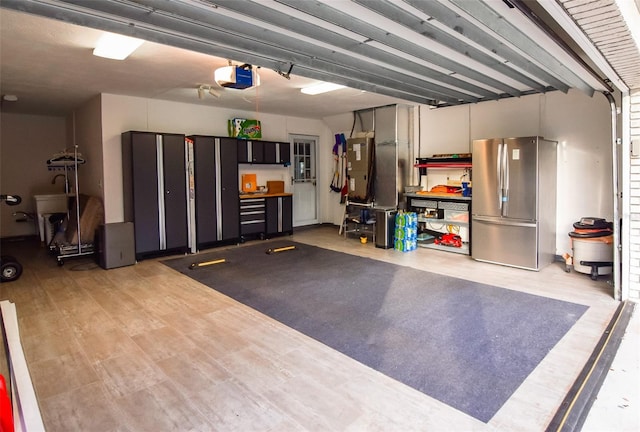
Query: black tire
(10, 271)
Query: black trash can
(385, 227)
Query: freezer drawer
(513, 244)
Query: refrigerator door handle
(505, 181)
(499, 176)
(501, 221)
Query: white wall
(26, 143)
(582, 126)
(124, 113)
(443, 131)
(87, 135)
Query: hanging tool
(335, 182)
(345, 189)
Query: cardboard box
(249, 183)
(244, 128)
(275, 186)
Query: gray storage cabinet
(279, 215)
(277, 153)
(216, 190)
(155, 191)
(264, 152)
(250, 151)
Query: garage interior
(143, 347)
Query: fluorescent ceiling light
(322, 87)
(116, 47)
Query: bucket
(598, 249)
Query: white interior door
(305, 197)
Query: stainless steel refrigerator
(514, 201)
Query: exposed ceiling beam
(488, 41)
(359, 46)
(502, 27)
(77, 14)
(334, 12)
(427, 28)
(444, 52)
(232, 30)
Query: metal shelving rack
(352, 220)
(445, 203)
(69, 162)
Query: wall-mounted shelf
(442, 162)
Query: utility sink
(47, 204)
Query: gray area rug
(466, 344)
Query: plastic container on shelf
(456, 215)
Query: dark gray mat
(466, 344)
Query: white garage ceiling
(432, 52)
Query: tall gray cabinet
(155, 191)
(217, 212)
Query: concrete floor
(120, 341)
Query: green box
(244, 128)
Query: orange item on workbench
(445, 189)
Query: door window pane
(304, 169)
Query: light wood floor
(144, 348)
